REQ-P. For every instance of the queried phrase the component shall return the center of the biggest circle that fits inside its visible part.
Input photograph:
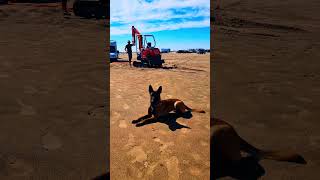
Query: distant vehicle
(184, 51)
(192, 50)
(201, 51)
(165, 50)
(91, 8)
(114, 53)
(181, 51)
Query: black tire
(148, 63)
(144, 65)
(157, 62)
(76, 8)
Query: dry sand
(52, 70)
(266, 79)
(160, 150)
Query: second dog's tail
(273, 155)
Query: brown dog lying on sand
(159, 108)
(226, 148)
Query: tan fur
(168, 105)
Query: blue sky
(176, 24)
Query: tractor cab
(149, 41)
(149, 44)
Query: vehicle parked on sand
(192, 50)
(201, 51)
(184, 51)
(114, 53)
(165, 50)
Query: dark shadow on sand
(38, 1)
(139, 65)
(120, 61)
(248, 168)
(170, 120)
(103, 177)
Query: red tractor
(148, 54)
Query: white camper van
(114, 53)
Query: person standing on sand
(65, 8)
(128, 49)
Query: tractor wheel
(138, 64)
(147, 63)
(144, 65)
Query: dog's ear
(150, 89)
(159, 89)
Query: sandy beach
(174, 149)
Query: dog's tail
(197, 110)
(273, 155)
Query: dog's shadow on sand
(248, 168)
(103, 177)
(170, 120)
(120, 60)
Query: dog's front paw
(135, 121)
(139, 125)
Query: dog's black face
(154, 95)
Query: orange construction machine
(147, 52)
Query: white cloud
(158, 15)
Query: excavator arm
(136, 33)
